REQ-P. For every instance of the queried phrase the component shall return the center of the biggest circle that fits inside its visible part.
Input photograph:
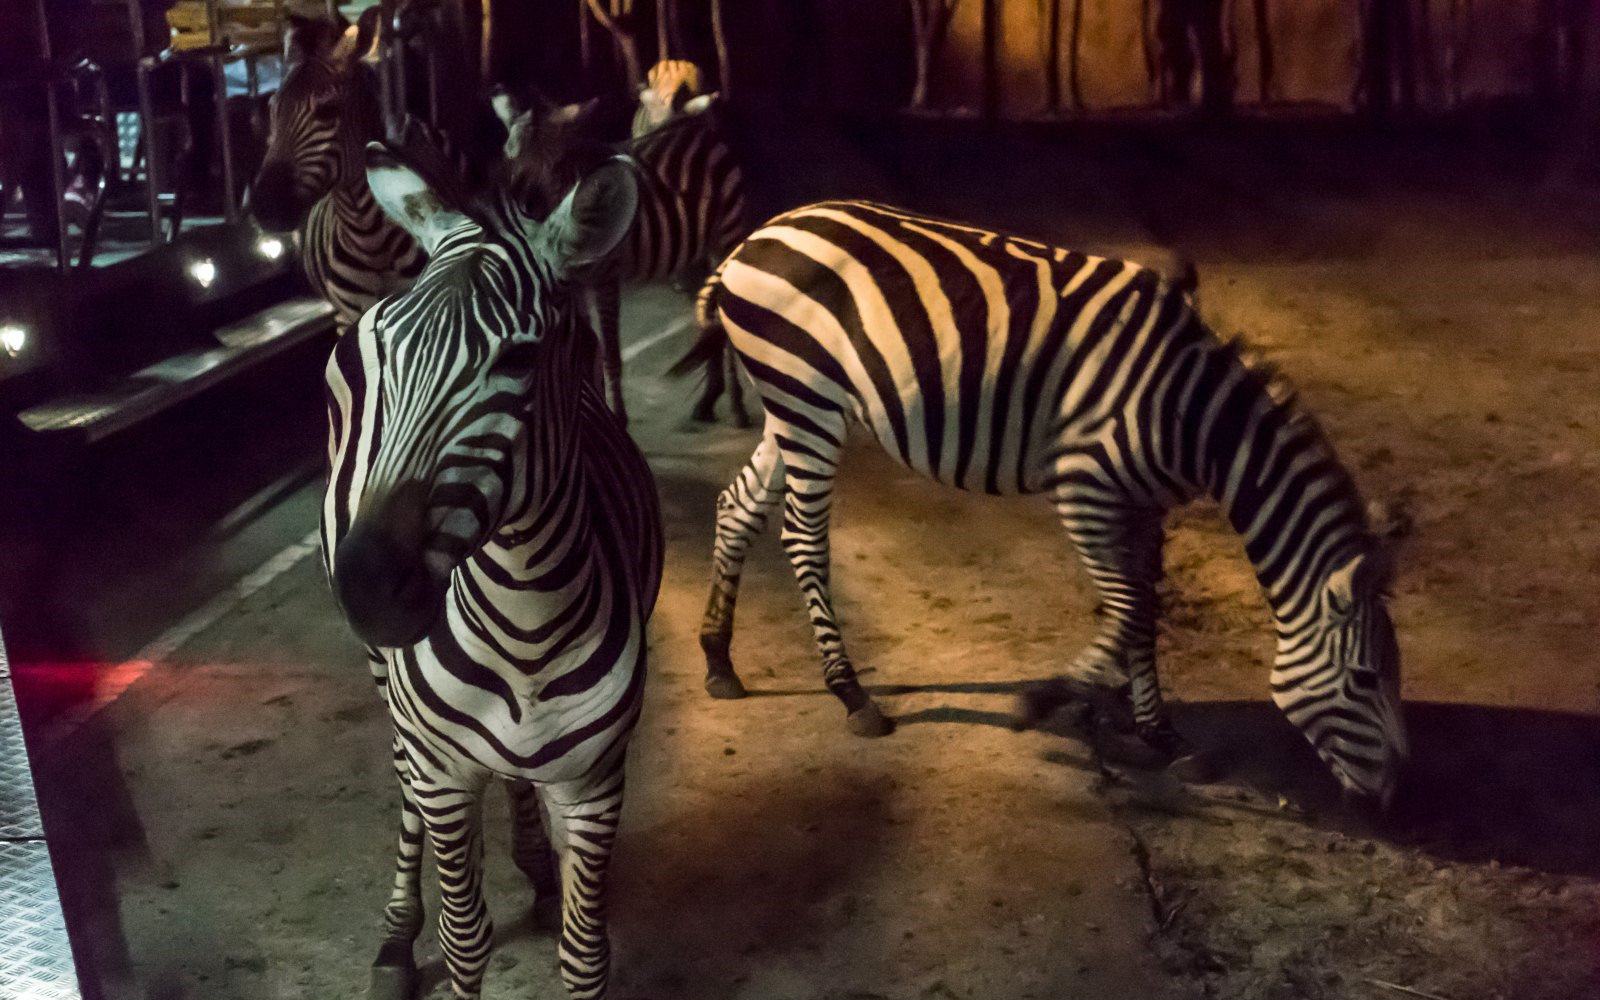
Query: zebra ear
(594, 217)
(700, 105)
(1357, 581)
(407, 199)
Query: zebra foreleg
(534, 857)
(453, 817)
(1121, 549)
(742, 511)
(394, 973)
(583, 822)
(807, 505)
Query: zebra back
(692, 202)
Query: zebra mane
(1298, 421)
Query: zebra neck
(355, 207)
(1281, 486)
(550, 490)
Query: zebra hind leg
(741, 414)
(583, 822)
(807, 506)
(705, 411)
(530, 849)
(742, 511)
(394, 973)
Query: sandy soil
(228, 822)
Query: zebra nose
(387, 594)
(272, 198)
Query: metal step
(93, 417)
(35, 954)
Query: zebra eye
(1338, 609)
(1364, 680)
(516, 360)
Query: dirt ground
(227, 824)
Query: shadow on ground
(1510, 785)
(768, 873)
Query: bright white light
(270, 246)
(13, 338)
(203, 271)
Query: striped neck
(1268, 465)
(549, 491)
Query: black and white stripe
(312, 179)
(1000, 365)
(493, 535)
(692, 212)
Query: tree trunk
(1374, 89)
(585, 57)
(1075, 56)
(1050, 53)
(991, 59)
(1216, 62)
(720, 38)
(1266, 65)
(929, 21)
(619, 21)
(919, 88)
(1575, 146)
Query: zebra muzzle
(384, 588)
(273, 200)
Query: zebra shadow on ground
(949, 714)
(1485, 783)
(760, 879)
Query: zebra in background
(672, 88)
(493, 535)
(312, 179)
(691, 214)
(1000, 365)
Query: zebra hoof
(1193, 768)
(867, 721)
(394, 974)
(547, 914)
(726, 687)
(1040, 699)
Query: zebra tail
(712, 343)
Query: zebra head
(439, 397)
(322, 115)
(672, 87)
(1337, 678)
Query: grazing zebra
(312, 180)
(691, 214)
(672, 88)
(999, 365)
(493, 535)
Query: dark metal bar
(147, 122)
(58, 187)
(219, 76)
